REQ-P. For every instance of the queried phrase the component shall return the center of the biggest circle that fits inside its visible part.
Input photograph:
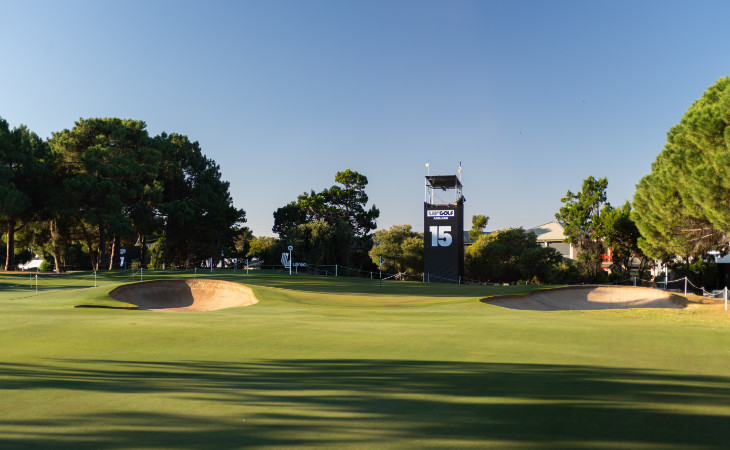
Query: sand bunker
(184, 295)
(589, 298)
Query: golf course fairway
(350, 363)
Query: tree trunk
(53, 226)
(111, 253)
(115, 260)
(143, 251)
(90, 247)
(93, 255)
(223, 263)
(101, 251)
(164, 255)
(10, 250)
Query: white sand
(589, 298)
(185, 295)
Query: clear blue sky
(530, 96)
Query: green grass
(347, 362)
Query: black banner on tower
(443, 242)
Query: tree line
(514, 255)
(106, 183)
(86, 192)
(679, 216)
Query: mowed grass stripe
(346, 362)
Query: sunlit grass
(348, 362)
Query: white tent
(33, 264)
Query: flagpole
(428, 172)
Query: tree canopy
(332, 226)
(104, 184)
(400, 247)
(580, 216)
(510, 255)
(265, 248)
(111, 170)
(681, 207)
(196, 208)
(478, 223)
(621, 235)
(25, 161)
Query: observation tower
(443, 229)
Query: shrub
(565, 272)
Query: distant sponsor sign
(441, 213)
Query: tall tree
(177, 207)
(620, 233)
(580, 217)
(24, 160)
(478, 223)
(399, 247)
(681, 207)
(113, 169)
(331, 226)
(199, 219)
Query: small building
(552, 234)
(723, 270)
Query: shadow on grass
(375, 402)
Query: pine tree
(682, 208)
